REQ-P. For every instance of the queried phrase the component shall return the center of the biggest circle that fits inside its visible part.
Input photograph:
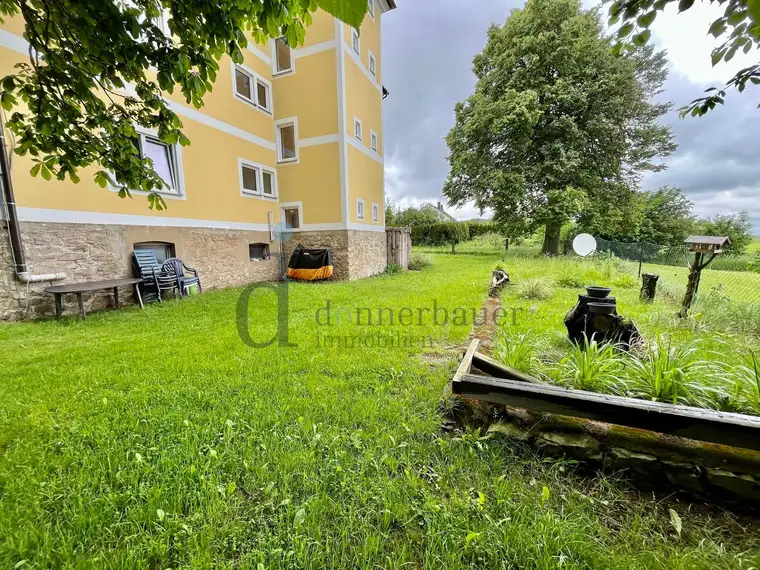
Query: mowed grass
(157, 439)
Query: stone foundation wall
(356, 254)
(652, 461)
(336, 240)
(367, 253)
(91, 252)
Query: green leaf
(642, 38)
(684, 5)
(471, 536)
(753, 6)
(625, 29)
(299, 518)
(545, 495)
(646, 20)
(7, 100)
(350, 11)
(675, 520)
(35, 169)
(45, 171)
(161, 514)
(717, 55)
(718, 27)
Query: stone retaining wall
(652, 461)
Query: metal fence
(729, 278)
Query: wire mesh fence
(729, 279)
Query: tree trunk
(453, 247)
(648, 286)
(551, 238)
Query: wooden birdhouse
(706, 244)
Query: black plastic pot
(598, 292)
(601, 308)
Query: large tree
(99, 68)
(557, 121)
(667, 217)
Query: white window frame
(373, 140)
(179, 174)
(275, 71)
(278, 139)
(371, 8)
(375, 212)
(360, 130)
(372, 64)
(360, 215)
(356, 40)
(255, 78)
(291, 206)
(260, 169)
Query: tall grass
(593, 366)
(671, 372)
(515, 351)
(535, 288)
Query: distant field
(755, 245)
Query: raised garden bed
(713, 455)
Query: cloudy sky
(428, 50)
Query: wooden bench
(89, 286)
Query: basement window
(258, 251)
(163, 250)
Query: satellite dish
(584, 244)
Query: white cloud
(689, 46)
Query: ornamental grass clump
(668, 372)
(517, 352)
(594, 367)
(537, 288)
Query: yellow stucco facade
(256, 118)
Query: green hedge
(476, 229)
(444, 233)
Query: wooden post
(648, 286)
(506, 244)
(691, 285)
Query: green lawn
(157, 439)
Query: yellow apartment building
(288, 149)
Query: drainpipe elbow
(26, 277)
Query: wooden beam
(495, 368)
(466, 364)
(694, 423)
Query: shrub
(444, 233)
(419, 261)
(535, 288)
(476, 229)
(393, 268)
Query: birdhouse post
(700, 246)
